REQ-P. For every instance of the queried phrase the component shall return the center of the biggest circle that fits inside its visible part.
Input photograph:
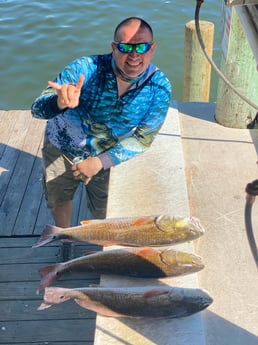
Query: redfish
(160, 230)
(148, 302)
(133, 262)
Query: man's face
(133, 64)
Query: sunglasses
(127, 48)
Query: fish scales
(144, 262)
(150, 302)
(160, 230)
(119, 230)
(133, 302)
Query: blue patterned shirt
(103, 124)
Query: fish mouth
(194, 266)
(197, 265)
(206, 304)
(198, 228)
(44, 305)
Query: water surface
(38, 38)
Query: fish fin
(89, 221)
(107, 244)
(154, 293)
(98, 308)
(44, 306)
(146, 251)
(89, 252)
(49, 274)
(143, 221)
(103, 243)
(43, 271)
(48, 235)
(82, 222)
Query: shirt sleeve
(45, 106)
(147, 129)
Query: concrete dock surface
(195, 167)
(151, 184)
(219, 162)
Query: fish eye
(62, 296)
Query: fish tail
(48, 235)
(49, 275)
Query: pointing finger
(80, 82)
(54, 85)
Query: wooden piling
(197, 69)
(239, 67)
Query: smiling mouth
(133, 63)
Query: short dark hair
(126, 21)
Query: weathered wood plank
(28, 149)
(28, 241)
(32, 196)
(18, 273)
(29, 272)
(47, 331)
(15, 192)
(6, 125)
(18, 290)
(21, 191)
(23, 310)
(20, 321)
(27, 290)
(29, 255)
(44, 217)
(23, 212)
(12, 151)
(14, 181)
(53, 343)
(35, 135)
(12, 242)
(45, 254)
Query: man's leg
(59, 186)
(97, 194)
(62, 214)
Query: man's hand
(68, 95)
(87, 168)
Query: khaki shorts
(60, 185)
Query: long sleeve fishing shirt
(103, 124)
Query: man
(104, 109)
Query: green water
(38, 38)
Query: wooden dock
(133, 191)
(23, 215)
